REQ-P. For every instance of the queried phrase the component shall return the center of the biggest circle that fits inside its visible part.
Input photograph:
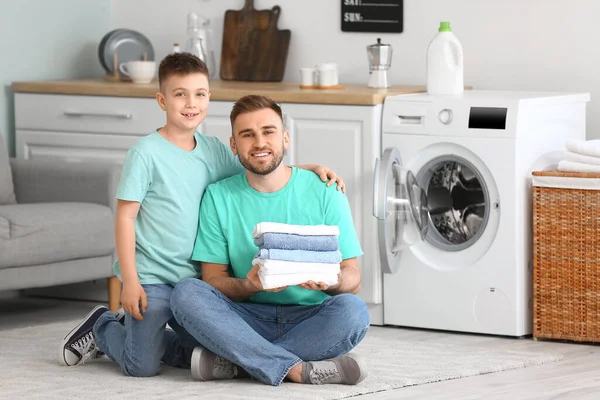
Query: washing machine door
(400, 206)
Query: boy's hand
(325, 174)
(132, 297)
(255, 284)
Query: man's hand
(312, 285)
(132, 296)
(254, 284)
(327, 174)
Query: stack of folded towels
(295, 254)
(581, 156)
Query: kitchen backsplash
(512, 44)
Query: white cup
(139, 71)
(307, 76)
(328, 74)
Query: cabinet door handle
(125, 115)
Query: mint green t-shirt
(169, 182)
(231, 209)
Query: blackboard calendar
(372, 16)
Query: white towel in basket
(577, 167)
(586, 147)
(580, 158)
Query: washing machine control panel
(445, 116)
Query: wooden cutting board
(270, 49)
(253, 48)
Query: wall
(509, 44)
(58, 40)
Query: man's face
(185, 99)
(259, 140)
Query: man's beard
(265, 169)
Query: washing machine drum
(463, 221)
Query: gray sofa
(56, 223)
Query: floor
(577, 376)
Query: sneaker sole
(195, 367)
(61, 349)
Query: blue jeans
(268, 340)
(140, 346)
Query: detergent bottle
(445, 71)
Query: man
(302, 333)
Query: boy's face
(259, 140)
(185, 100)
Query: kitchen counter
(282, 92)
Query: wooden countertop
(283, 92)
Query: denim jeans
(264, 339)
(140, 346)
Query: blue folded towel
(288, 241)
(327, 257)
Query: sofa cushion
(7, 190)
(41, 233)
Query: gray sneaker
(207, 366)
(348, 369)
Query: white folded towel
(307, 230)
(580, 158)
(279, 267)
(586, 147)
(276, 281)
(577, 167)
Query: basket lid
(566, 180)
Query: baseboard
(10, 294)
(95, 290)
(376, 313)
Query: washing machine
(452, 201)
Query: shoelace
(86, 346)
(224, 368)
(320, 376)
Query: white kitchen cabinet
(91, 114)
(345, 138)
(82, 128)
(73, 146)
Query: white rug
(29, 370)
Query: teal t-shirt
(231, 209)
(169, 183)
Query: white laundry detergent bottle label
(445, 63)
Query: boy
(163, 180)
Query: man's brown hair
(180, 64)
(253, 103)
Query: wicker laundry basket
(566, 256)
